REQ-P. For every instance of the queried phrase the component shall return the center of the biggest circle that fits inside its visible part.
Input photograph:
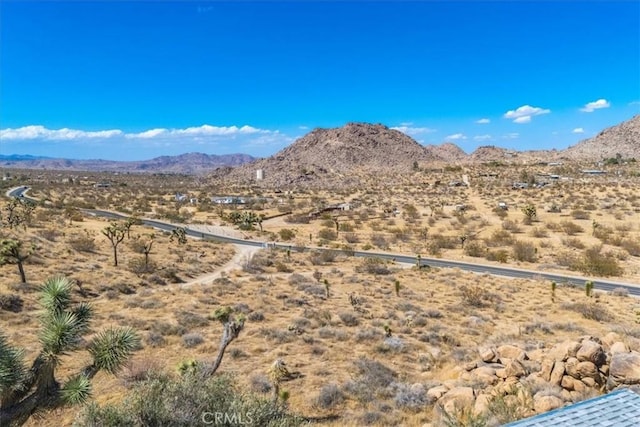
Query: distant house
(181, 197)
(102, 185)
(593, 172)
(503, 206)
(520, 185)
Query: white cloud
(522, 120)
(525, 113)
(482, 137)
(512, 135)
(483, 121)
(578, 130)
(413, 131)
(590, 107)
(634, 103)
(303, 127)
(456, 136)
(40, 132)
(151, 133)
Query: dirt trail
(243, 253)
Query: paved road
(600, 284)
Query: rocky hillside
(190, 163)
(339, 155)
(447, 152)
(623, 139)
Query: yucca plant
(25, 391)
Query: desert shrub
(82, 243)
(509, 225)
(589, 310)
(281, 267)
(473, 296)
(329, 396)
(165, 400)
(500, 238)
(138, 266)
(409, 396)
(327, 234)
(375, 266)
(475, 249)
(595, 262)
(500, 255)
(351, 237)
(348, 318)
(619, 292)
(188, 319)
(154, 339)
(49, 234)
(260, 384)
(444, 242)
(524, 251)
(573, 242)
(580, 214)
(321, 257)
(192, 339)
(11, 302)
(539, 232)
(286, 234)
(570, 228)
(256, 316)
(371, 379)
(380, 241)
(631, 246)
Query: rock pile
(568, 372)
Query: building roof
(620, 408)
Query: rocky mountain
(623, 139)
(190, 163)
(339, 155)
(448, 152)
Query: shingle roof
(620, 408)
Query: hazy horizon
(134, 81)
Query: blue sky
(128, 81)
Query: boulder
(482, 403)
(515, 369)
(610, 339)
(587, 370)
(564, 350)
(624, 369)
(456, 398)
(546, 403)
(511, 352)
(591, 351)
(619, 347)
(435, 393)
(488, 354)
(545, 369)
(470, 366)
(557, 373)
(572, 384)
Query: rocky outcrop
(567, 372)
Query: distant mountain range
(190, 163)
(341, 154)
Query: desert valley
(313, 277)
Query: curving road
(600, 284)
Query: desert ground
(370, 338)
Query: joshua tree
(397, 287)
(18, 214)
(12, 252)
(553, 291)
(130, 222)
(179, 234)
(232, 328)
(115, 233)
(588, 288)
(25, 391)
(530, 212)
(146, 250)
